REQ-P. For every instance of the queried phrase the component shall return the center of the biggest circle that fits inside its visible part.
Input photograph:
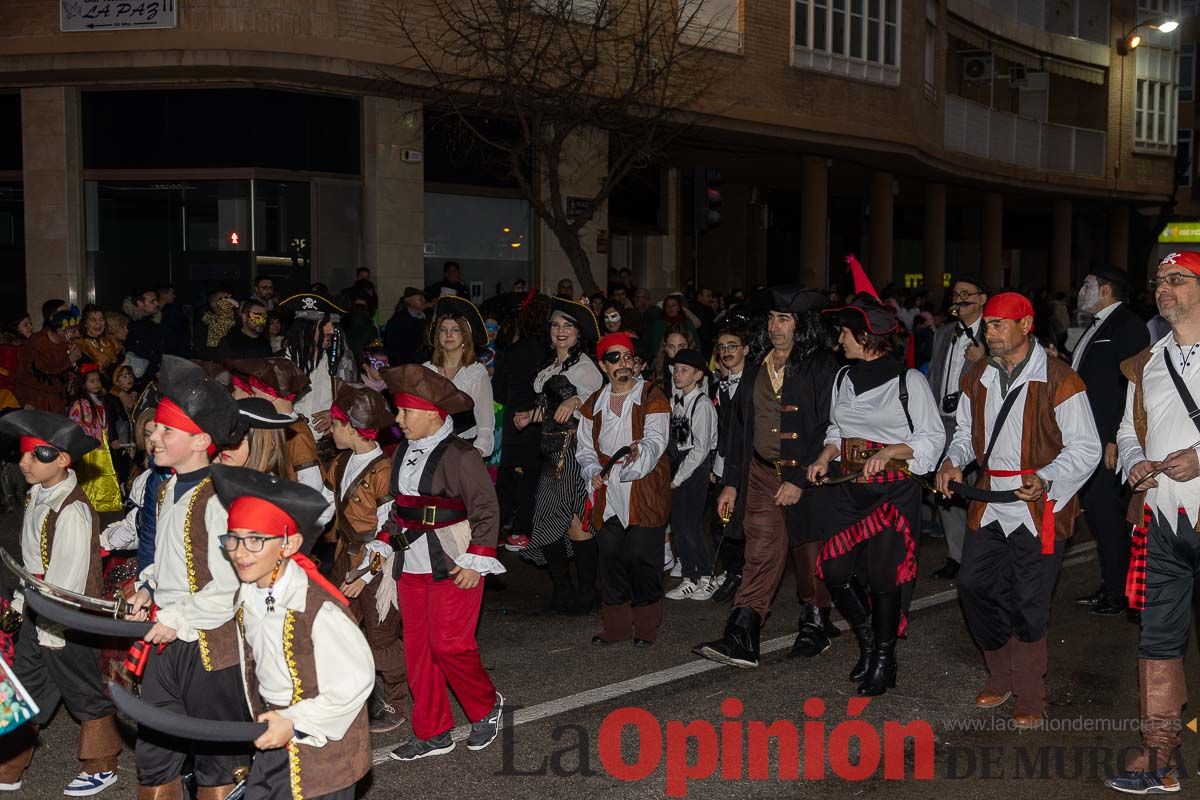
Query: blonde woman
(457, 334)
(264, 447)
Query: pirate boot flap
(646, 620)
(99, 744)
(999, 687)
(618, 624)
(1029, 664)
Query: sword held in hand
(117, 609)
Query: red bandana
(1188, 259)
(613, 340)
(406, 400)
(30, 442)
(251, 384)
(1008, 305)
(170, 414)
(341, 416)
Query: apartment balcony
(975, 129)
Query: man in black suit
(404, 335)
(1116, 333)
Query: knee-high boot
(587, 562)
(851, 603)
(885, 623)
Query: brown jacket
(1041, 439)
(650, 500)
(301, 446)
(356, 518)
(43, 372)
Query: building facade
(232, 138)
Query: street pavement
(692, 717)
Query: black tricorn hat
(794, 299)
(585, 320)
(308, 305)
(449, 305)
(365, 407)
(302, 503)
(259, 413)
(59, 430)
(203, 399)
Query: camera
(950, 403)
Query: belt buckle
(779, 469)
(429, 516)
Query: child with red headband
(357, 484)
(446, 522)
(60, 540)
(307, 667)
(190, 584)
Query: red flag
(862, 284)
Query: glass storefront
(489, 237)
(12, 250)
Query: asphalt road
(693, 719)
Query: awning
(1030, 59)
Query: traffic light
(707, 182)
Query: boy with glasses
(60, 541)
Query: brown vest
(1041, 439)
(355, 510)
(315, 771)
(94, 584)
(218, 647)
(301, 446)
(766, 415)
(650, 499)
(1134, 369)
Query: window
(1166, 7)
(1155, 99)
(712, 23)
(1187, 72)
(1183, 157)
(1188, 8)
(931, 49)
(867, 30)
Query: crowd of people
(305, 508)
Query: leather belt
(428, 513)
(856, 452)
(777, 464)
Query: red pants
(439, 648)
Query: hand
(726, 501)
(279, 732)
(352, 590)
(74, 353)
(877, 463)
(465, 578)
(633, 454)
(788, 494)
(945, 475)
(597, 482)
(139, 606)
(973, 353)
(1181, 466)
(1139, 471)
(160, 634)
(818, 470)
(521, 419)
(1032, 488)
(1110, 456)
(565, 409)
(1052, 350)
(321, 421)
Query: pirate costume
(329, 364)
(629, 511)
(478, 427)
(561, 492)
(778, 427)
(1032, 421)
(875, 522)
(1160, 417)
(193, 586)
(60, 542)
(357, 483)
(301, 651)
(446, 517)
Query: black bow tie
(678, 399)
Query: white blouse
(474, 380)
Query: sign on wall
(1180, 232)
(107, 15)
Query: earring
(270, 602)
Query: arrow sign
(99, 15)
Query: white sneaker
(10, 787)
(682, 591)
(677, 570)
(86, 783)
(705, 589)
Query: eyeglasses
(1172, 279)
(617, 356)
(963, 295)
(729, 348)
(253, 544)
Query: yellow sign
(915, 280)
(1180, 232)
(1191, 726)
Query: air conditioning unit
(1016, 75)
(977, 68)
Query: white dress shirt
(877, 416)
(1089, 334)
(123, 534)
(1066, 473)
(72, 551)
(958, 361)
(416, 558)
(213, 604)
(1168, 428)
(345, 666)
(473, 379)
(616, 431)
(702, 419)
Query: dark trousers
(1172, 567)
(517, 492)
(270, 779)
(630, 564)
(1106, 520)
(70, 676)
(175, 679)
(1005, 585)
(689, 537)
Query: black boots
(851, 601)
(562, 598)
(587, 559)
(733, 580)
(881, 668)
(813, 638)
(739, 646)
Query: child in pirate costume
(60, 541)
(446, 526)
(281, 382)
(190, 584)
(307, 668)
(357, 483)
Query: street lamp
(1129, 42)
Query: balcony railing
(974, 128)
(1083, 19)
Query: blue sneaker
(89, 783)
(1145, 781)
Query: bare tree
(562, 71)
